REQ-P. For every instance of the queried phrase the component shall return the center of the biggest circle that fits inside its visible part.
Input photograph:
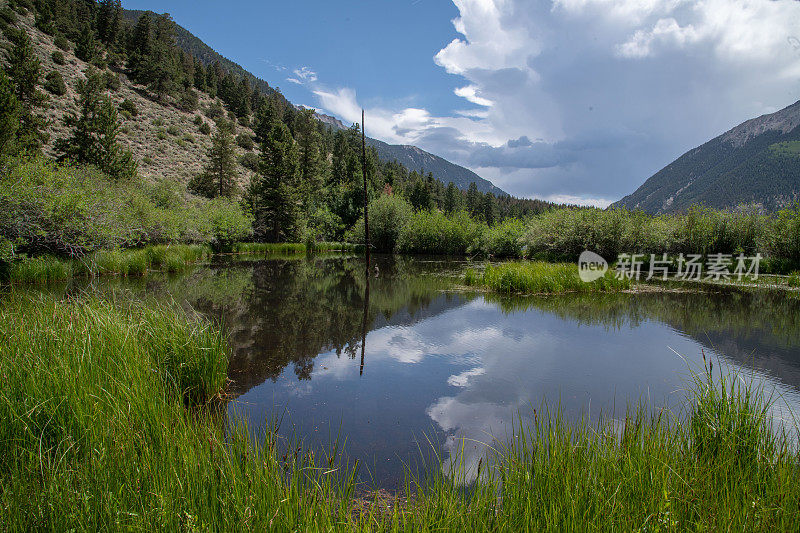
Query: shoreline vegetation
(111, 422)
(536, 277)
(139, 261)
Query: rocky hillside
(166, 141)
(757, 162)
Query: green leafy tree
(218, 178)
(272, 195)
(55, 83)
(94, 137)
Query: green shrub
(158, 122)
(129, 106)
(61, 42)
(250, 161)
(54, 83)
(388, 214)
(215, 111)
(204, 128)
(54, 208)
(173, 129)
(198, 120)
(245, 141)
(58, 58)
(504, 239)
(432, 232)
(111, 81)
(188, 100)
(8, 16)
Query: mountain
(411, 157)
(757, 162)
(414, 158)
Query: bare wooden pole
(364, 173)
(366, 245)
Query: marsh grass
(133, 262)
(717, 464)
(534, 277)
(109, 423)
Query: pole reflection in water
(364, 320)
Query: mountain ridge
(756, 162)
(412, 157)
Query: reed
(534, 277)
(133, 262)
(108, 423)
(96, 433)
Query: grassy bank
(138, 262)
(107, 425)
(134, 262)
(96, 431)
(535, 277)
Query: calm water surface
(407, 372)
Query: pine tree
(420, 195)
(219, 175)
(142, 38)
(452, 199)
(242, 99)
(474, 204)
(489, 209)
(10, 111)
(109, 21)
(86, 48)
(311, 163)
(266, 117)
(272, 195)
(24, 69)
(94, 137)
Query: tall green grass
(107, 425)
(533, 277)
(718, 465)
(135, 262)
(96, 433)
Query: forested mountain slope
(757, 162)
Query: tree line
(306, 180)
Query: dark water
(438, 365)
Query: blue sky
(568, 100)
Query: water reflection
(444, 366)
